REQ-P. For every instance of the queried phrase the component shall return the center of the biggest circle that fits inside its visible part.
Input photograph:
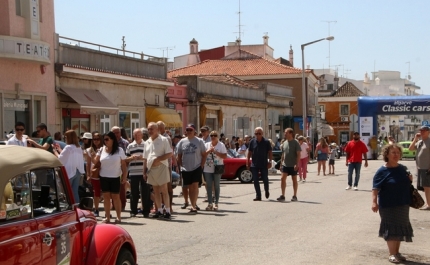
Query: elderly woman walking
(391, 196)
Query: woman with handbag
(391, 195)
(214, 168)
(322, 155)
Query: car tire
(244, 175)
(125, 257)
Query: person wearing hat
(191, 160)
(422, 159)
(205, 134)
(355, 151)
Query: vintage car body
(235, 167)
(40, 223)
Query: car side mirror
(86, 203)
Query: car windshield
(233, 154)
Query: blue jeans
(256, 178)
(351, 167)
(215, 179)
(74, 183)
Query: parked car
(235, 167)
(406, 153)
(40, 222)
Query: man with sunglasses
(205, 134)
(260, 150)
(45, 141)
(191, 160)
(18, 138)
(355, 151)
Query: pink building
(178, 100)
(27, 87)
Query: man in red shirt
(355, 150)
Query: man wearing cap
(205, 134)
(355, 151)
(191, 160)
(423, 161)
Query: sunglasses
(214, 135)
(96, 139)
(106, 139)
(189, 130)
(38, 131)
(19, 130)
(257, 133)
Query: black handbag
(416, 199)
(219, 169)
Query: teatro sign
(24, 49)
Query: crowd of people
(145, 164)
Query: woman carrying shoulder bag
(216, 152)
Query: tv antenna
(347, 71)
(123, 45)
(329, 22)
(238, 39)
(167, 49)
(409, 70)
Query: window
(18, 7)
(322, 108)
(129, 121)
(344, 109)
(33, 193)
(329, 86)
(104, 124)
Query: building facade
(27, 87)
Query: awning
(326, 130)
(91, 101)
(169, 116)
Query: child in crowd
(332, 157)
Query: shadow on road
(288, 201)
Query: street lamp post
(304, 98)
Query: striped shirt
(135, 167)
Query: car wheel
(244, 175)
(125, 257)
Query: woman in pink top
(303, 158)
(322, 154)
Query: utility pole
(329, 22)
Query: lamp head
(330, 38)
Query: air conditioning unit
(344, 119)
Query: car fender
(106, 243)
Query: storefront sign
(10, 104)
(405, 106)
(24, 49)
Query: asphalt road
(328, 225)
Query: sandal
(393, 259)
(209, 208)
(117, 221)
(216, 207)
(105, 221)
(400, 257)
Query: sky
(368, 35)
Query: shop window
(16, 110)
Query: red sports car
(235, 167)
(40, 222)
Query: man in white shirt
(157, 169)
(18, 138)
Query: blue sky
(381, 35)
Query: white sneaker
(348, 188)
(355, 188)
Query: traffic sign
(425, 123)
(301, 125)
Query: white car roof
(17, 159)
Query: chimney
(291, 56)
(266, 39)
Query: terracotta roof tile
(348, 90)
(247, 65)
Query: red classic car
(235, 167)
(40, 223)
